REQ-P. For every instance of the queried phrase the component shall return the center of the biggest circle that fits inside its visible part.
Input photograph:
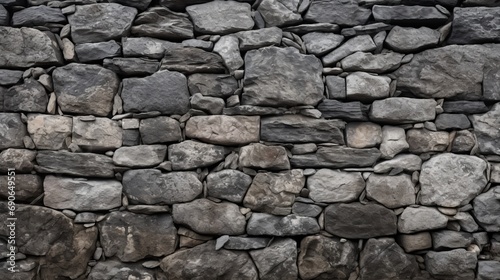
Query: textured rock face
(332, 186)
(391, 191)
(407, 39)
(338, 12)
(224, 130)
(221, 17)
(279, 260)
(191, 154)
(75, 164)
(231, 185)
(12, 131)
(421, 219)
(100, 134)
(264, 157)
(450, 262)
(474, 25)
(402, 109)
(487, 136)
(28, 97)
(485, 207)
(290, 225)
(49, 132)
(163, 24)
(140, 156)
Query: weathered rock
(159, 130)
(10, 77)
(254, 39)
(349, 111)
(228, 48)
(139, 4)
(207, 217)
(384, 259)
(365, 87)
(312, 27)
(246, 243)
(319, 43)
(451, 180)
(488, 270)
(452, 121)
(249, 110)
(393, 141)
(391, 191)
(85, 89)
(197, 43)
(159, 22)
(337, 157)
(306, 209)
(332, 186)
(96, 51)
(326, 258)
(100, 22)
(145, 46)
(28, 97)
(473, 25)
(409, 15)
(279, 13)
(264, 157)
(355, 220)
(363, 135)
(301, 129)
(4, 16)
(449, 263)
(28, 187)
(75, 164)
(153, 236)
(403, 110)
(37, 15)
(131, 66)
(98, 135)
(12, 131)
(81, 195)
(372, 28)
(112, 268)
(212, 85)
(340, 12)
(274, 193)
(191, 155)
(449, 239)
(192, 60)
(486, 207)
(336, 87)
(267, 224)
(423, 140)
(465, 107)
(140, 156)
(231, 185)
(363, 43)
(278, 260)
(408, 163)
(195, 262)
(211, 105)
(220, 17)
(408, 39)
(49, 132)
(415, 242)
(20, 159)
(224, 130)
(163, 91)
(485, 130)
(421, 219)
(27, 47)
(281, 75)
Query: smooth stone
(331, 186)
(421, 219)
(12, 131)
(337, 11)
(145, 46)
(161, 23)
(475, 25)
(452, 121)
(415, 242)
(100, 135)
(160, 130)
(260, 156)
(485, 130)
(363, 135)
(300, 149)
(278, 260)
(319, 43)
(348, 111)
(231, 185)
(374, 63)
(306, 209)
(449, 239)
(255, 39)
(267, 224)
(409, 40)
(391, 191)
(403, 110)
(191, 155)
(363, 43)
(224, 130)
(27, 97)
(485, 207)
(409, 15)
(192, 60)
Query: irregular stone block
(160, 130)
(423, 140)
(231, 185)
(20, 159)
(409, 15)
(363, 43)
(140, 156)
(336, 87)
(340, 12)
(159, 22)
(75, 164)
(374, 63)
(278, 260)
(475, 25)
(28, 187)
(485, 129)
(449, 239)
(363, 135)
(279, 13)
(264, 157)
(10, 77)
(28, 97)
(49, 132)
(267, 224)
(415, 242)
(486, 205)
(212, 85)
(37, 15)
(192, 60)
(131, 66)
(449, 263)
(255, 39)
(97, 51)
(391, 191)
(99, 135)
(191, 155)
(148, 47)
(331, 186)
(408, 163)
(349, 111)
(408, 39)
(421, 219)
(403, 110)
(12, 131)
(224, 130)
(393, 141)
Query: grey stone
(340, 12)
(319, 43)
(331, 186)
(211, 105)
(150, 186)
(451, 180)
(473, 25)
(194, 263)
(131, 137)
(336, 87)
(10, 77)
(246, 243)
(408, 163)
(301, 129)
(207, 217)
(85, 89)
(277, 13)
(228, 48)
(421, 219)
(274, 193)
(49, 132)
(372, 28)
(294, 79)
(249, 110)
(403, 110)
(101, 134)
(221, 17)
(139, 4)
(485, 130)
(415, 242)
(140, 156)
(100, 22)
(363, 43)
(264, 157)
(465, 107)
(20, 159)
(383, 259)
(450, 263)
(212, 85)
(486, 207)
(148, 209)
(26, 47)
(28, 187)
(336, 157)
(160, 130)
(391, 191)
(164, 91)
(144, 46)
(466, 222)
(267, 224)
(224, 130)
(88, 52)
(452, 121)
(191, 155)
(491, 85)
(4, 16)
(423, 140)
(112, 268)
(408, 39)
(393, 141)
(37, 15)
(159, 22)
(28, 97)
(277, 261)
(254, 39)
(312, 27)
(488, 270)
(409, 15)
(231, 185)
(131, 66)
(321, 257)
(81, 195)
(349, 111)
(363, 135)
(306, 209)
(192, 60)
(449, 239)
(12, 131)
(374, 63)
(75, 164)
(196, 43)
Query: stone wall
(272, 139)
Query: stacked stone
(269, 139)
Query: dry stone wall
(268, 139)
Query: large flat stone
(331, 186)
(224, 130)
(409, 39)
(348, 111)
(159, 22)
(140, 156)
(191, 155)
(403, 110)
(337, 11)
(363, 43)
(75, 164)
(421, 219)
(486, 130)
(451, 263)
(267, 224)
(96, 51)
(475, 25)
(37, 15)
(99, 135)
(409, 15)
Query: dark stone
(28, 187)
(452, 121)
(267, 224)
(28, 97)
(409, 15)
(160, 130)
(313, 27)
(148, 47)
(37, 15)
(340, 12)
(465, 107)
(97, 51)
(10, 77)
(12, 131)
(212, 85)
(348, 111)
(475, 25)
(75, 164)
(192, 60)
(159, 22)
(131, 66)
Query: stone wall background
(273, 139)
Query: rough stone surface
(332, 186)
(486, 205)
(12, 131)
(278, 260)
(363, 43)
(75, 164)
(191, 155)
(20, 159)
(404, 15)
(374, 63)
(279, 13)
(192, 60)
(365, 87)
(423, 140)
(407, 162)
(49, 132)
(407, 39)
(391, 191)
(224, 130)
(159, 22)
(484, 129)
(393, 141)
(96, 51)
(363, 135)
(160, 130)
(100, 134)
(403, 110)
(338, 12)
(452, 262)
(267, 224)
(472, 25)
(38, 15)
(231, 185)
(264, 157)
(421, 219)
(319, 43)
(140, 156)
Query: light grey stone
(336, 87)
(224, 130)
(140, 156)
(407, 162)
(319, 43)
(449, 239)
(49, 132)
(485, 130)
(391, 191)
(337, 11)
(393, 141)
(279, 13)
(421, 219)
(191, 155)
(145, 46)
(231, 185)
(192, 60)
(211, 105)
(254, 39)
(313, 27)
(131, 66)
(10, 77)
(404, 15)
(363, 134)
(415, 242)
(88, 52)
(403, 110)
(267, 224)
(363, 43)
(162, 23)
(228, 48)
(452, 121)
(306, 209)
(99, 135)
(374, 63)
(246, 243)
(331, 186)
(408, 39)
(212, 85)
(488, 270)
(264, 157)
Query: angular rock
(49, 132)
(207, 217)
(220, 17)
(254, 39)
(4, 16)
(463, 142)
(160, 130)
(331, 186)
(349, 111)
(355, 220)
(28, 97)
(326, 258)
(340, 12)
(85, 89)
(191, 155)
(163, 91)
(249, 110)
(159, 22)
(408, 163)
(391, 191)
(301, 129)
(140, 156)
(393, 141)
(153, 236)
(101, 134)
(294, 79)
(451, 263)
(88, 52)
(274, 193)
(486, 207)
(423, 140)
(211, 105)
(465, 107)
(485, 129)
(373, 28)
(403, 110)
(231, 185)
(363, 43)
(312, 27)
(421, 219)
(131, 66)
(267, 224)
(408, 39)
(277, 261)
(449, 239)
(452, 121)
(111, 268)
(409, 15)
(279, 13)
(228, 48)
(363, 135)
(145, 46)
(12, 131)
(192, 60)
(319, 43)
(212, 85)
(28, 187)
(75, 164)
(348, 157)
(488, 270)
(10, 77)
(37, 15)
(101, 22)
(150, 186)
(264, 157)
(224, 130)
(195, 262)
(475, 25)
(20, 159)
(415, 242)
(306, 209)
(81, 195)
(197, 43)
(139, 4)
(451, 180)
(246, 243)
(336, 87)
(375, 63)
